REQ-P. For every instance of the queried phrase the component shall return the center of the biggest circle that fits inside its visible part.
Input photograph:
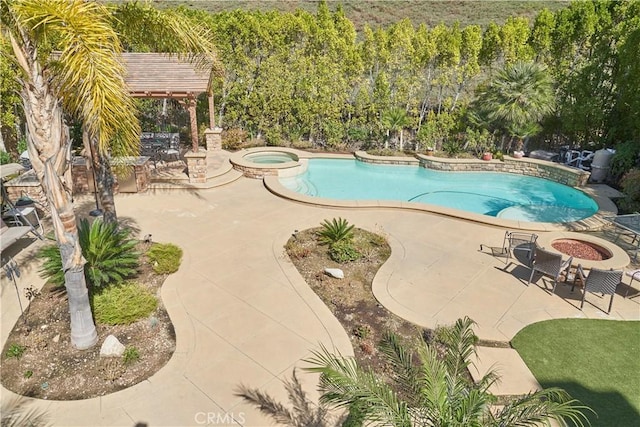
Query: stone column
(213, 138)
(197, 166)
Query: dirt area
(50, 368)
(351, 299)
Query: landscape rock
(335, 272)
(111, 347)
(56, 338)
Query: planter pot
(518, 154)
(429, 152)
(487, 156)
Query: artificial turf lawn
(595, 361)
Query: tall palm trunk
(49, 150)
(103, 177)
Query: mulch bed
(50, 368)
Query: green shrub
(110, 254)
(165, 257)
(232, 139)
(631, 189)
(130, 355)
(123, 304)
(51, 268)
(626, 157)
(344, 251)
(452, 147)
(335, 231)
(5, 158)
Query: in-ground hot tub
(263, 161)
(271, 157)
(567, 243)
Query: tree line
(293, 76)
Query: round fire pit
(581, 249)
(587, 250)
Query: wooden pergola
(158, 75)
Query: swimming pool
(501, 195)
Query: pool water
(267, 157)
(500, 195)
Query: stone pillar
(197, 166)
(213, 138)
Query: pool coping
(271, 181)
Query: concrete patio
(243, 314)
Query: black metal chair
(604, 282)
(551, 264)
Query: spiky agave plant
(109, 251)
(336, 230)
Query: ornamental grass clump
(165, 258)
(123, 304)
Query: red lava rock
(581, 249)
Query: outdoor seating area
(204, 301)
(628, 225)
(160, 146)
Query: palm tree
(395, 120)
(304, 414)
(86, 78)
(515, 100)
(435, 389)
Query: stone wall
(531, 167)
(385, 160)
(28, 185)
(137, 182)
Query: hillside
(385, 12)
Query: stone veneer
(197, 166)
(28, 185)
(213, 139)
(138, 181)
(531, 167)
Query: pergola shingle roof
(156, 75)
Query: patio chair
(551, 264)
(599, 281)
(635, 275)
(516, 241)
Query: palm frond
(343, 383)
(405, 371)
(14, 413)
(89, 73)
(538, 407)
(267, 405)
(170, 30)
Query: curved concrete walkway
(243, 314)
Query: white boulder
(335, 272)
(111, 347)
